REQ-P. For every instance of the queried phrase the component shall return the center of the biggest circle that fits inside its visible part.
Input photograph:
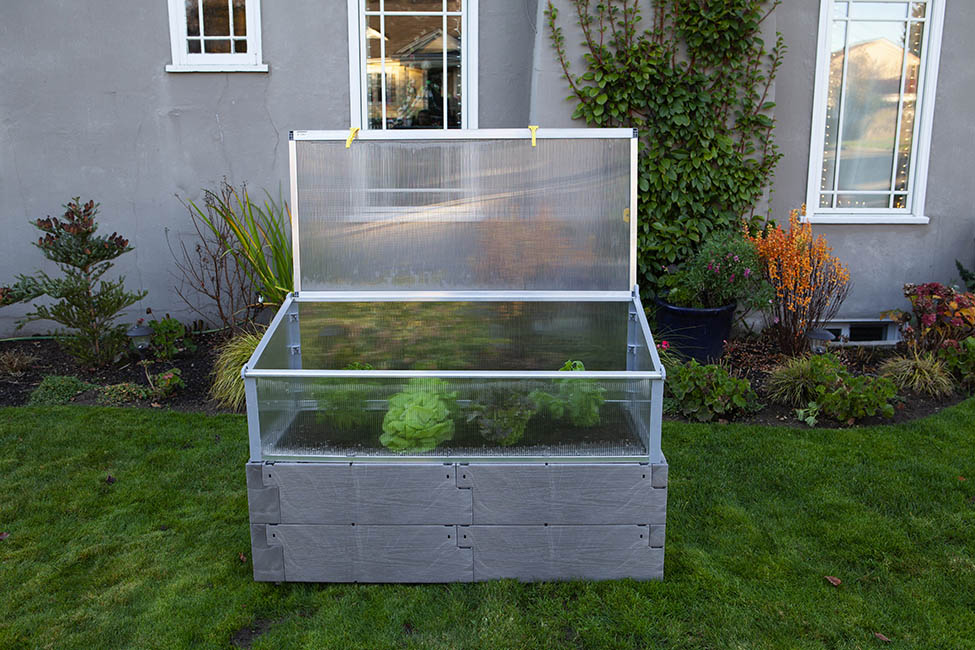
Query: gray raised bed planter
(465, 267)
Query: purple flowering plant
(725, 270)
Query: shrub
(705, 393)
(169, 338)
(960, 361)
(228, 386)
(420, 417)
(209, 267)
(968, 277)
(83, 301)
(57, 389)
(15, 362)
(726, 270)
(124, 393)
(695, 84)
(259, 238)
(919, 372)
(794, 382)
(165, 383)
(809, 283)
(850, 398)
(939, 316)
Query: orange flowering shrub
(810, 284)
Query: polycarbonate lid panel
(463, 214)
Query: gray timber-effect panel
(436, 522)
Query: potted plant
(703, 294)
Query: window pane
(869, 125)
(240, 19)
(192, 18)
(900, 201)
(216, 19)
(833, 100)
(193, 46)
(825, 200)
(879, 10)
(414, 5)
(414, 71)
(840, 10)
(917, 10)
(216, 46)
(240, 46)
(374, 97)
(454, 72)
(909, 107)
(862, 200)
(372, 5)
(453, 5)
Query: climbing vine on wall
(696, 84)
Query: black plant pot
(697, 333)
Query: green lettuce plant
(420, 417)
(502, 416)
(344, 407)
(575, 400)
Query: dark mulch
(51, 359)
(749, 357)
(754, 357)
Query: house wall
(88, 110)
(882, 257)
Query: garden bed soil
(750, 357)
(51, 359)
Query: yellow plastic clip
(533, 129)
(353, 132)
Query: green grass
(757, 517)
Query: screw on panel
(295, 349)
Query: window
(874, 104)
(413, 64)
(215, 36)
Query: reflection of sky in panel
(862, 32)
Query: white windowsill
(255, 67)
(867, 219)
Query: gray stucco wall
(882, 257)
(90, 111)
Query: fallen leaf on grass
(962, 478)
(242, 557)
(110, 479)
(881, 637)
(156, 405)
(833, 580)
(4, 536)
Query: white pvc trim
(183, 61)
(465, 134)
(866, 219)
(921, 151)
(464, 296)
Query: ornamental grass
(809, 282)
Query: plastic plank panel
(369, 494)
(530, 553)
(564, 494)
(325, 553)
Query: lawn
(758, 516)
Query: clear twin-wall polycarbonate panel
(455, 416)
(464, 214)
(363, 417)
(455, 336)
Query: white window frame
(357, 65)
(183, 61)
(924, 121)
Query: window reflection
(871, 105)
(420, 91)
